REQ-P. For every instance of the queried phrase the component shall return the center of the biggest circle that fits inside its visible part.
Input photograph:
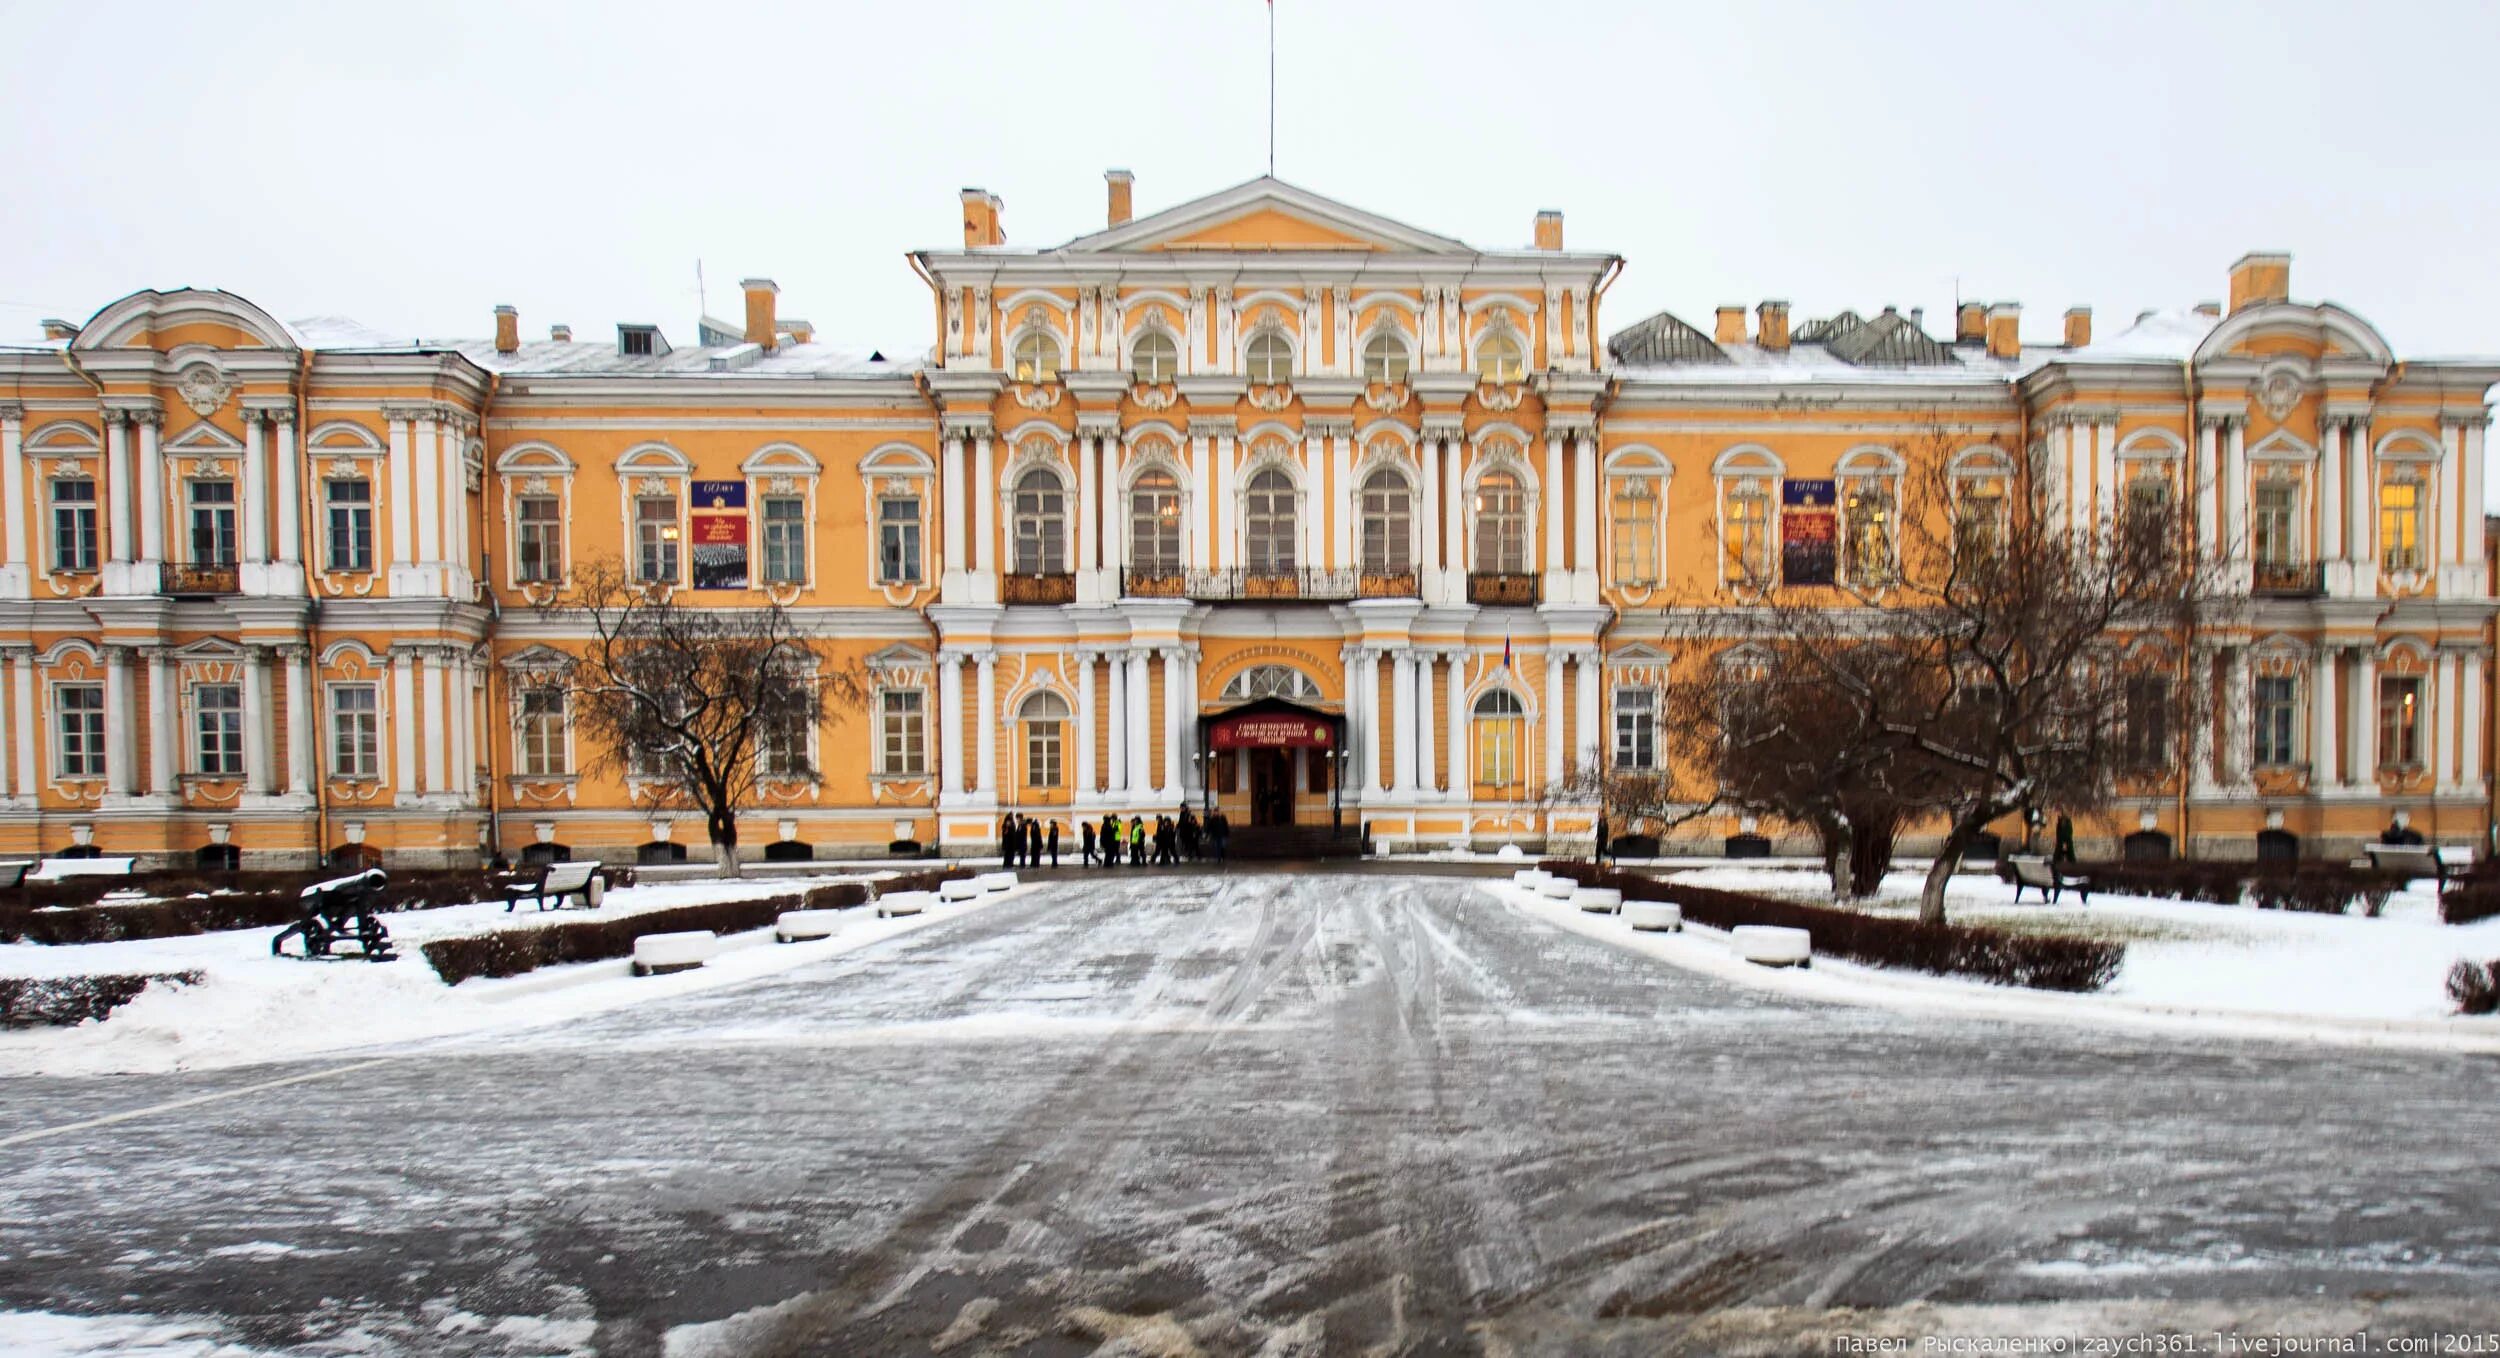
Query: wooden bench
(14, 874)
(2048, 879)
(2412, 860)
(54, 869)
(550, 885)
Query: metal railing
(185, 578)
(1037, 589)
(1154, 584)
(1485, 587)
(2287, 579)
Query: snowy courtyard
(1228, 1114)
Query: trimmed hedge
(1996, 955)
(2324, 888)
(510, 952)
(210, 903)
(2470, 903)
(2475, 986)
(64, 1001)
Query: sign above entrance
(1269, 731)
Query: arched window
(1041, 523)
(1388, 517)
(1268, 523)
(1870, 512)
(1501, 510)
(1501, 723)
(1270, 681)
(1270, 358)
(1384, 359)
(1045, 717)
(1154, 525)
(1037, 357)
(1500, 359)
(1155, 359)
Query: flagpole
(1271, 89)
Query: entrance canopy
(1272, 724)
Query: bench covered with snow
(54, 869)
(954, 889)
(1556, 888)
(551, 884)
(14, 874)
(1599, 900)
(913, 902)
(795, 925)
(659, 954)
(1772, 945)
(2048, 879)
(1531, 878)
(1654, 917)
(996, 881)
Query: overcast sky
(412, 165)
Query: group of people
(1031, 842)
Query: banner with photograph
(1809, 531)
(720, 534)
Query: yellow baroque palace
(1262, 502)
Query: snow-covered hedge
(200, 903)
(1998, 955)
(65, 1001)
(510, 952)
(2475, 986)
(2475, 900)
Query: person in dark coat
(1602, 838)
(2065, 850)
(1219, 832)
(1032, 843)
(1137, 841)
(1111, 841)
(1085, 839)
(1053, 841)
(2400, 831)
(1010, 839)
(1188, 832)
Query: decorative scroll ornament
(537, 485)
(1385, 396)
(204, 389)
(781, 485)
(2278, 392)
(342, 466)
(651, 485)
(214, 467)
(1272, 398)
(1501, 398)
(1038, 397)
(1154, 397)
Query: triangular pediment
(203, 437)
(1266, 215)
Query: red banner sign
(1269, 731)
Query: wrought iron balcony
(2287, 579)
(1139, 583)
(1387, 585)
(185, 578)
(1037, 589)
(1486, 587)
(1244, 582)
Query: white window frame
(94, 738)
(367, 765)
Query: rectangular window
(782, 748)
(217, 724)
(79, 711)
(1497, 751)
(1636, 728)
(2400, 722)
(1636, 531)
(2274, 525)
(2277, 719)
(355, 731)
(1041, 753)
(2400, 525)
(905, 737)
(351, 523)
(2146, 738)
(1749, 533)
(539, 550)
(542, 733)
(212, 523)
(785, 540)
(655, 540)
(898, 540)
(73, 525)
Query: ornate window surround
(529, 469)
(1624, 463)
(891, 469)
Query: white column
(1224, 550)
(404, 723)
(2201, 777)
(1454, 724)
(1425, 778)
(2236, 756)
(1584, 743)
(2360, 543)
(2105, 470)
(1453, 535)
(1366, 695)
(1340, 474)
(1084, 723)
(463, 784)
(1553, 493)
(151, 487)
(952, 451)
(452, 483)
(120, 717)
(1584, 530)
(2209, 489)
(2446, 525)
(2470, 720)
(13, 499)
(1402, 720)
(950, 733)
(2235, 502)
(2470, 512)
(23, 664)
(258, 734)
(1318, 494)
(2079, 499)
(2443, 722)
(1200, 529)
(1427, 518)
(1114, 521)
(2362, 770)
(435, 754)
(2321, 719)
(1175, 703)
(1140, 723)
(121, 488)
(1192, 773)
(255, 507)
(425, 460)
(403, 490)
(984, 491)
(1088, 504)
(2331, 493)
(1118, 721)
(1553, 714)
(301, 729)
(290, 489)
(985, 720)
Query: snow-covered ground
(253, 1007)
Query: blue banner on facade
(1809, 531)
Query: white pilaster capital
(1101, 424)
(405, 412)
(1213, 426)
(1328, 426)
(12, 412)
(1445, 426)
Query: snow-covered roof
(599, 357)
(2172, 335)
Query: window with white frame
(1385, 359)
(1040, 521)
(355, 730)
(1155, 359)
(1387, 522)
(2144, 723)
(1045, 717)
(1154, 525)
(903, 747)
(1501, 527)
(78, 729)
(1748, 543)
(1501, 359)
(1979, 511)
(2403, 520)
(541, 735)
(2400, 722)
(217, 730)
(1268, 528)
(898, 539)
(2275, 699)
(781, 748)
(785, 540)
(538, 549)
(349, 502)
(1501, 728)
(212, 522)
(1269, 358)
(73, 524)
(1036, 357)
(2274, 523)
(1869, 508)
(655, 539)
(1634, 510)
(1636, 729)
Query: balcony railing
(185, 578)
(1485, 587)
(1153, 584)
(2287, 579)
(1387, 585)
(1244, 583)
(1037, 589)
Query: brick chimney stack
(2259, 278)
(1970, 323)
(1549, 230)
(2005, 330)
(1771, 326)
(2078, 327)
(507, 330)
(762, 295)
(1123, 186)
(1731, 325)
(561, 334)
(981, 219)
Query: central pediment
(1261, 216)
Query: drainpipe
(2187, 642)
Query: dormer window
(640, 341)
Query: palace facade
(1260, 501)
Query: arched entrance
(1273, 747)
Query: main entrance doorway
(1271, 786)
(1271, 758)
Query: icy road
(1251, 1115)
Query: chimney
(1122, 183)
(2258, 278)
(800, 332)
(760, 295)
(2210, 310)
(1731, 325)
(2078, 326)
(981, 226)
(1771, 326)
(1549, 230)
(2005, 330)
(54, 328)
(507, 330)
(1970, 323)
(561, 334)
(1918, 319)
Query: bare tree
(699, 708)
